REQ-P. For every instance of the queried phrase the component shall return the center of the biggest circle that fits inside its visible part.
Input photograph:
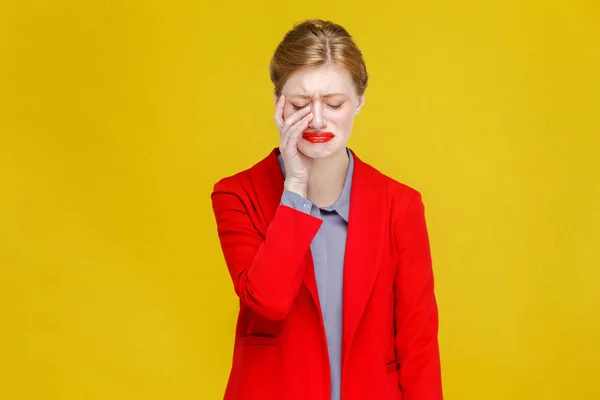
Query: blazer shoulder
(402, 191)
(232, 183)
(402, 200)
(242, 180)
(400, 197)
(395, 189)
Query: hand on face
(290, 132)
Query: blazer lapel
(267, 183)
(364, 246)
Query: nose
(318, 122)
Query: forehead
(320, 81)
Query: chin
(320, 150)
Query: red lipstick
(317, 137)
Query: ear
(361, 103)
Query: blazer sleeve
(416, 313)
(267, 270)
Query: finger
(295, 117)
(279, 112)
(296, 131)
(299, 125)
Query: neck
(327, 177)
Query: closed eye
(332, 106)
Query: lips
(317, 137)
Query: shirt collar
(342, 204)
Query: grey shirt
(328, 248)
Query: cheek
(343, 118)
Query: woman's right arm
(267, 271)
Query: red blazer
(390, 319)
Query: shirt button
(307, 206)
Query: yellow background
(117, 117)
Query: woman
(329, 257)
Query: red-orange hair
(313, 43)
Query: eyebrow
(307, 96)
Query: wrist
(295, 187)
